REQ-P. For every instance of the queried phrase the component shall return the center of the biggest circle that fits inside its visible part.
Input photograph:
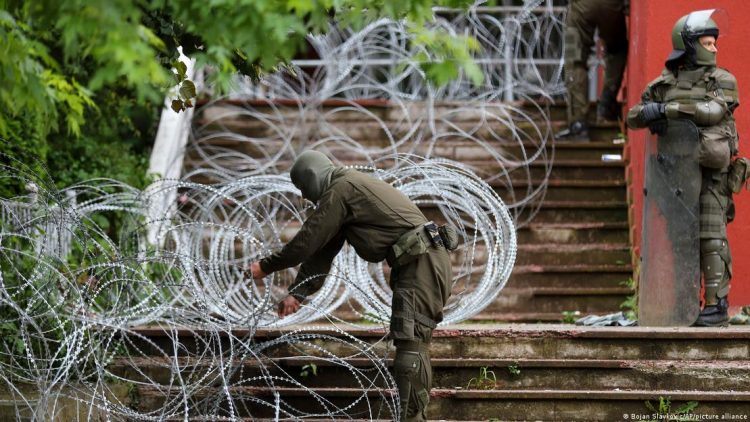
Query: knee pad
(712, 263)
(716, 267)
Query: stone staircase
(573, 256)
(531, 372)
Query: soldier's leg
(420, 293)
(579, 38)
(716, 260)
(413, 375)
(613, 32)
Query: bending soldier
(692, 87)
(584, 17)
(380, 223)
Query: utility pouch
(402, 314)
(739, 173)
(449, 236)
(715, 149)
(408, 247)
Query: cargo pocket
(715, 151)
(409, 247)
(402, 314)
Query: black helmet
(685, 35)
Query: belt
(411, 345)
(429, 234)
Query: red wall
(650, 42)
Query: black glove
(653, 115)
(652, 111)
(658, 127)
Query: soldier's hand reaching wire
(288, 306)
(255, 271)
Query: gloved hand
(652, 111)
(654, 116)
(658, 127)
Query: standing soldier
(381, 223)
(584, 17)
(692, 87)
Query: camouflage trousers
(716, 210)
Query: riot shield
(669, 285)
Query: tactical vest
(715, 91)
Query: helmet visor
(701, 21)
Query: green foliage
(447, 56)
(309, 369)
(82, 81)
(115, 142)
(514, 370)
(630, 304)
(486, 380)
(570, 317)
(133, 44)
(27, 278)
(186, 91)
(664, 408)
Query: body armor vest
(707, 96)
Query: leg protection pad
(716, 268)
(714, 206)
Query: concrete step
(589, 253)
(464, 373)
(536, 293)
(573, 233)
(453, 148)
(555, 301)
(495, 341)
(565, 170)
(541, 372)
(461, 149)
(342, 110)
(574, 173)
(451, 404)
(556, 191)
(578, 211)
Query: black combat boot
(577, 131)
(714, 315)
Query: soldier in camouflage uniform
(693, 87)
(583, 18)
(380, 223)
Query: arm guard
(704, 113)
